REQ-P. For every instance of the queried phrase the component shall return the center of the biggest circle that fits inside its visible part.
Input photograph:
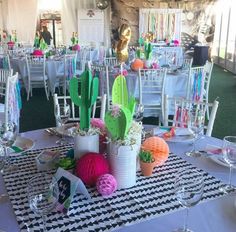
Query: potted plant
(83, 93)
(124, 135)
(147, 162)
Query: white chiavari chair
(208, 67)
(36, 70)
(182, 107)
(151, 91)
(75, 109)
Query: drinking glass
(43, 194)
(62, 114)
(189, 184)
(196, 120)
(229, 155)
(8, 134)
(139, 113)
(2, 159)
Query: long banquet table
(216, 215)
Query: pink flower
(98, 123)
(76, 47)
(155, 66)
(115, 111)
(176, 42)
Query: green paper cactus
(84, 92)
(120, 94)
(148, 50)
(118, 125)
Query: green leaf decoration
(120, 92)
(118, 126)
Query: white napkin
(183, 131)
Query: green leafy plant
(146, 156)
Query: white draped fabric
(20, 15)
(69, 18)
(164, 23)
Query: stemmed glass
(8, 134)
(189, 185)
(62, 114)
(229, 155)
(139, 113)
(196, 118)
(43, 194)
(2, 159)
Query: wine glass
(43, 194)
(8, 134)
(196, 118)
(62, 114)
(229, 155)
(189, 185)
(2, 159)
(139, 113)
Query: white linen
(22, 18)
(216, 215)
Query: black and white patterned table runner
(150, 197)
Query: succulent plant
(146, 156)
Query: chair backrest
(69, 69)
(151, 87)
(83, 57)
(5, 61)
(102, 72)
(111, 61)
(9, 93)
(171, 58)
(182, 107)
(208, 67)
(196, 81)
(187, 63)
(75, 109)
(35, 65)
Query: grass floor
(37, 113)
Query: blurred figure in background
(46, 35)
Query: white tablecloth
(175, 86)
(54, 68)
(216, 215)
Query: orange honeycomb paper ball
(158, 147)
(137, 64)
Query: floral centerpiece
(124, 135)
(83, 93)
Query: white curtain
(70, 20)
(22, 16)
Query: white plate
(183, 135)
(23, 143)
(67, 130)
(181, 139)
(219, 160)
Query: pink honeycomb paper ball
(106, 184)
(90, 166)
